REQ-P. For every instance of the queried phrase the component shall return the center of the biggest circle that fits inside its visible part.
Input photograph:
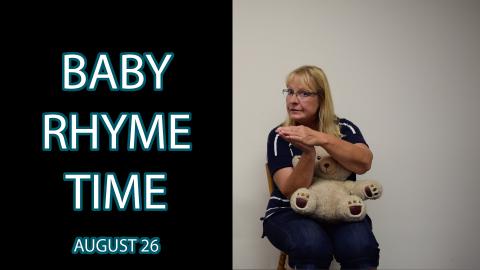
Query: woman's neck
(312, 125)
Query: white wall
(408, 74)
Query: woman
(309, 243)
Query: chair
(283, 256)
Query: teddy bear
(331, 197)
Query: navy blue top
(281, 152)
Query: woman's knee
(353, 255)
(356, 246)
(304, 240)
(311, 245)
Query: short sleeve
(279, 152)
(350, 132)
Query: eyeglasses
(301, 94)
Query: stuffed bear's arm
(365, 189)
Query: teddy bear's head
(325, 166)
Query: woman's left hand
(300, 134)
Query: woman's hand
(355, 157)
(301, 135)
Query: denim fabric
(311, 244)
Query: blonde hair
(316, 80)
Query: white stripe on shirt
(280, 199)
(351, 128)
(275, 145)
(268, 215)
(277, 208)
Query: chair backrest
(269, 178)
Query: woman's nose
(293, 99)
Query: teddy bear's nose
(328, 168)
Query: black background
(196, 230)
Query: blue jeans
(311, 244)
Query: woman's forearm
(355, 157)
(290, 179)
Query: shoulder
(275, 140)
(347, 126)
(350, 132)
(273, 134)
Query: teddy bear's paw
(373, 191)
(303, 201)
(353, 208)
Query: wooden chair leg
(281, 261)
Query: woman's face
(302, 109)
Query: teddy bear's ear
(320, 151)
(295, 160)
